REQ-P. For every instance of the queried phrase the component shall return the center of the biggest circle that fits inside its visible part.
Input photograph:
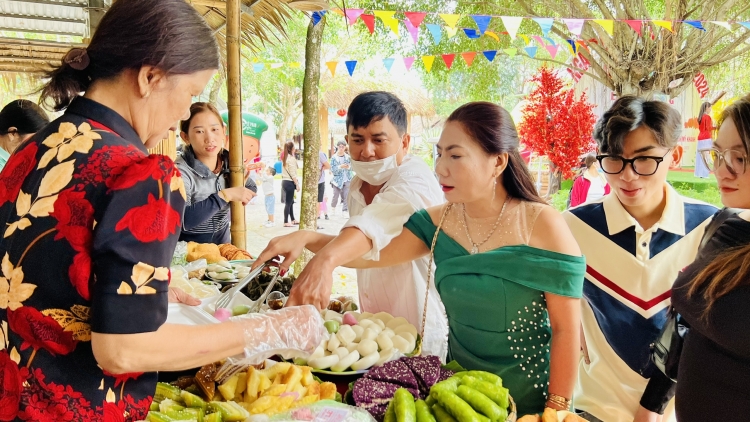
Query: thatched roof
(338, 92)
(68, 20)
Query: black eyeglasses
(642, 166)
(734, 160)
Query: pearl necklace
(475, 246)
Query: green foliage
(559, 199)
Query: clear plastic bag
(322, 411)
(293, 332)
(179, 257)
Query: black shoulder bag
(667, 348)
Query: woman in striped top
(204, 165)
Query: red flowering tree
(557, 125)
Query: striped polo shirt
(626, 294)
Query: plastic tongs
(226, 298)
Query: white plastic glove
(290, 332)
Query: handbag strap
(713, 225)
(429, 268)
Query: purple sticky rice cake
(369, 394)
(427, 371)
(445, 374)
(395, 372)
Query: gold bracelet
(559, 401)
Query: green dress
(497, 313)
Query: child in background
(267, 178)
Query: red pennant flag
(636, 25)
(469, 57)
(369, 20)
(448, 59)
(415, 18)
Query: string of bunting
(449, 21)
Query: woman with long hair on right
(508, 269)
(289, 182)
(713, 293)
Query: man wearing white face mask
(388, 188)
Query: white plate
(179, 313)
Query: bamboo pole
(234, 103)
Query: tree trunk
(555, 181)
(213, 96)
(310, 160)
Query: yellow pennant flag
(451, 32)
(393, 24)
(664, 24)
(451, 20)
(332, 67)
(525, 38)
(338, 11)
(428, 60)
(295, 65)
(492, 35)
(607, 24)
(387, 17)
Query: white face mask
(376, 172)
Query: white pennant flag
(512, 23)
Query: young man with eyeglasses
(636, 240)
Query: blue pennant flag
(745, 24)
(545, 24)
(257, 67)
(550, 40)
(531, 51)
(482, 21)
(490, 54)
(696, 24)
(317, 16)
(573, 45)
(437, 33)
(350, 65)
(388, 63)
(471, 33)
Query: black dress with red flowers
(90, 223)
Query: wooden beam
(21, 42)
(234, 104)
(222, 5)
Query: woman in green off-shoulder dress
(507, 269)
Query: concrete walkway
(344, 279)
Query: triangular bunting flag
(257, 67)
(408, 61)
(413, 30)
(696, 24)
(531, 51)
(539, 40)
(415, 18)
(392, 23)
(295, 65)
(490, 54)
(276, 65)
(550, 41)
(317, 16)
(332, 67)
(745, 24)
(636, 25)
(726, 25)
(575, 26)
(545, 24)
(448, 59)
(572, 46)
(428, 61)
(492, 35)
(451, 31)
(388, 63)
(338, 12)
(469, 57)
(369, 21)
(353, 14)
(471, 33)
(511, 51)
(387, 17)
(512, 23)
(450, 20)
(350, 65)
(482, 21)
(525, 38)
(437, 33)
(664, 24)
(607, 24)
(552, 49)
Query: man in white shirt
(388, 188)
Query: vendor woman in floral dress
(89, 225)
(508, 269)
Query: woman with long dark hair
(712, 294)
(90, 222)
(19, 121)
(289, 182)
(508, 269)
